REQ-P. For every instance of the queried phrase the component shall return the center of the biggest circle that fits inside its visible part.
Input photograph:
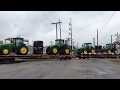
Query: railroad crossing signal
(118, 37)
(116, 43)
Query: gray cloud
(36, 25)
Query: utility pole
(97, 38)
(77, 45)
(93, 42)
(73, 43)
(73, 47)
(71, 31)
(56, 27)
(51, 42)
(111, 39)
(60, 27)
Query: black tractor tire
(48, 51)
(54, 50)
(67, 51)
(23, 50)
(3, 52)
(64, 50)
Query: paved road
(56, 69)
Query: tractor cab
(87, 45)
(17, 41)
(109, 45)
(57, 41)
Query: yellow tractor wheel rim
(85, 52)
(23, 50)
(109, 51)
(5, 51)
(93, 51)
(67, 51)
(54, 50)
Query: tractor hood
(9, 45)
(49, 46)
(58, 44)
(80, 50)
(6, 44)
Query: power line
(58, 18)
(106, 25)
(44, 14)
(107, 21)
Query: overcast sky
(36, 25)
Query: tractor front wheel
(85, 51)
(23, 50)
(5, 51)
(64, 51)
(109, 51)
(93, 51)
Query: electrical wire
(107, 22)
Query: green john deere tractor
(109, 48)
(61, 47)
(86, 48)
(15, 45)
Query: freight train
(61, 49)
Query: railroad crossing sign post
(117, 45)
(117, 51)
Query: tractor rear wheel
(54, 50)
(67, 51)
(5, 51)
(23, 50)
(64, 51)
